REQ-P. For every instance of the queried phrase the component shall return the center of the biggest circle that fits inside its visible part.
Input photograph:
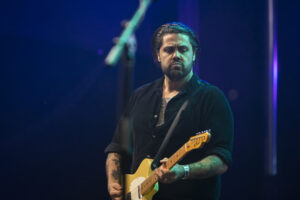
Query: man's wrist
(186, 172)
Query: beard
(176, 71)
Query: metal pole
(271, 139)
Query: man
(153, 107)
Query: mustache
(177, 62)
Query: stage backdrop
(58, 100)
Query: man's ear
(158, 58)
(194, 57)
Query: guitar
(143, 184)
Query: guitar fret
(176, 157)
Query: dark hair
(173, 27)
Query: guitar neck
(152, 179)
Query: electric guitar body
(133, 181)
(143, 184)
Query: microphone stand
(125, 76)
(114, 55)
(126, 45)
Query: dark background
(58, 100)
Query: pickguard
(135, 188)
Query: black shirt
(138, 135)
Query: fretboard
(152, 179)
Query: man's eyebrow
(183, 45)
(170, 45)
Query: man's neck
(172, 88)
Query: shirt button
(155, 116)
(153, 136)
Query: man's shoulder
(204, 86)
(208, 90)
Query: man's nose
(176, 54)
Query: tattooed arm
(209, 166)
(114, 176)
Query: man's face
(176, 56)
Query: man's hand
(115, 191)
(169, 176)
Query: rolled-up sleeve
(117, 144)
(121, 141)
(219, 118)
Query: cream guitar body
(133, 182)
(143, 184)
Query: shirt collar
(192, 85)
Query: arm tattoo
(117, 162)
(117, 155)
(209, 166)
(116, 174)
(113, 166)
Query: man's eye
(169, 49)
(183, 49)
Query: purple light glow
(271, 137)
(275, 81)
(275, 77)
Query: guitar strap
(155, 164)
